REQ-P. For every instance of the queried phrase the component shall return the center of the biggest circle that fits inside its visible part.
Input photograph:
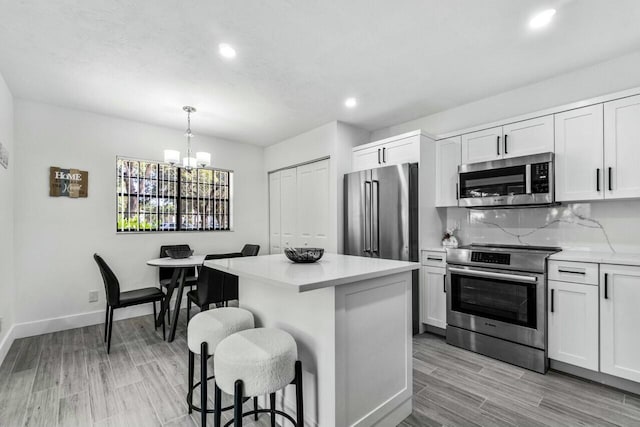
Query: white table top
(192, 261)
(331, 270)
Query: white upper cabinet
(274, 213)
(528, 137)
(288, 205)
(579, 154)
(400, 149)
(622, 148)
(619, 320)
(532, 136)
(448, 156)
(482, 146)
(573, 324)
(313, 204)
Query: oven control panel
(491, 257)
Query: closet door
(288, 207)
(275, 246)
(313, 204)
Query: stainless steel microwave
(518, 181)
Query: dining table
(180, 268)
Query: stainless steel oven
(496, 302)
(518, 181)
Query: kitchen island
(351, 319)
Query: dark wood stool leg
(255, 407)
(203, 383)
(237, 404)
(217, 415)
(272, 406)
(190, 379)
(299, 401)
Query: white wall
(334, 140)
(7, 282)
(55, 238)
(600, 79)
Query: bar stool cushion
(263, 358)
(215, 325)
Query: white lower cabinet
(619, 321)
(573, 323)
(433, 307)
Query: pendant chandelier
(189, 162)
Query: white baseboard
(45, 326)
(6, 343)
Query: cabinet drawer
(574, 272)
(434, 259)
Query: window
(154, 196)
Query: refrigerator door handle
(375, 216)
(367, 216)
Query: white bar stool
(204, 333)
(256, 362)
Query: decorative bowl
(179, 253)
(304, 255)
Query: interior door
(482, 146)
(289, 204)
(528, 137)
(275, 246)
(621, 148)
(579, 157)
(313, 204)
(357, 214)
(390, 212)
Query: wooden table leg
(176, 309)
(170, 287)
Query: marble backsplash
(612, 226)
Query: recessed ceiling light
(350, 102)
(226, 50)
(542, 19)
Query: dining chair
(250, 250)
(165, 274)
(118, 299)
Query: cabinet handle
(433, 259)
(457, 191)
(498, 145)
(378, 156)
(610, 186)
(552, 300)
(384, 155)
(572, 272)
(444, 284)
(505, 144)
(606, 286)
(598, 179)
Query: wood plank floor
(67, 379)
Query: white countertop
(597, 257)
(331, 270)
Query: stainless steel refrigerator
(381, 217)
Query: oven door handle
(492, 275)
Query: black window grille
(153, 196)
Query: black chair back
(210, 286)
(250, 250)
(229, 282)
(167, 272)
(111, 284)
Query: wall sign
(68, 182)
(4, 156)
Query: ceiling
(297, 59)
